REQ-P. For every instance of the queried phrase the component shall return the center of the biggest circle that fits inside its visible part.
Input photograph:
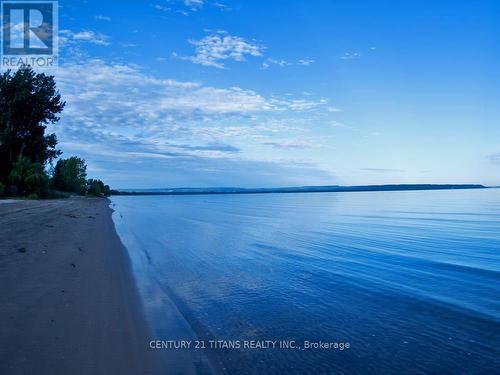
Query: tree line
(29, 102)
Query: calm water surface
(411, 280)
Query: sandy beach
(68, 303)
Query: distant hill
(297, 189)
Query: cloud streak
(289, 144)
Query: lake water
(410, 280)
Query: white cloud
(299, 104)
(305, 62)
(122, 99)
(163, 8)
(100, 17)
(68, 36)
(282, 63)
(126, 92)
(218, 47)
(222, 6)
(278, 62)
(270, 61)
(184, 7)
(350, 55)
(120, 113)
(333, 109)
(194, 5)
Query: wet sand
(68, 302)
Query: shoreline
(69, 301)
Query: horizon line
(297, 189)
(309, 186)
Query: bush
(29, 178)
(2, 189)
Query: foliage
(97, 188)
(28, 103)
(28, 177)
(70, 175)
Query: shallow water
(411, 280)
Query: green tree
(28, 103)
(70, 175)
(29, 177)
(97, 188)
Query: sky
(210, 93)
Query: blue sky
(276, 93)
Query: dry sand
(68, 303)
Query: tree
(70, 175)
(97, 188)
(29, 177)
(28, 103)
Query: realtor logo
(29, 33)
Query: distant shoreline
(301, 189)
